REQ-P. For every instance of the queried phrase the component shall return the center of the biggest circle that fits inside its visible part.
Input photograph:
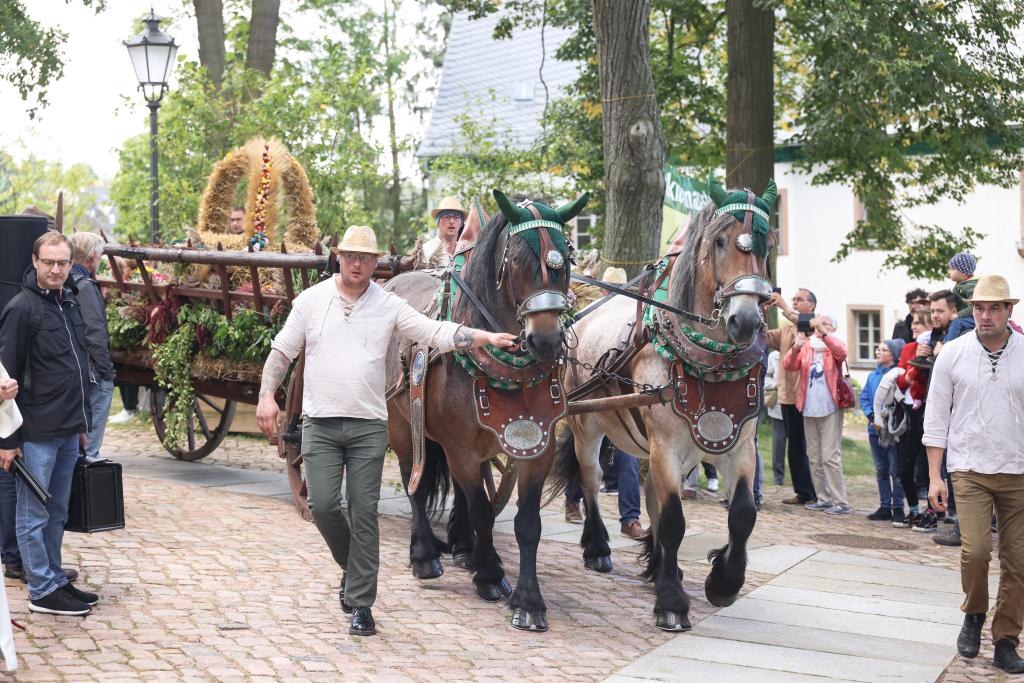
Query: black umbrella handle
(37, 489)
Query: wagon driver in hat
(451, 218)
(343, 326)
(975, 411)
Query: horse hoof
(717, 598)
(428, 569)
(601, 564)
(461, 560)
(493, 592)
(671, 621)
(524, 621)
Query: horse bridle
(547, 298)
(754, 282)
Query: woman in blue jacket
(890, 492)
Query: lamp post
(152, 53)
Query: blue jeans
(100, 396)
(887, 473)
(8, 516)
(628, 475)
(41, 529)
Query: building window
(865, 334)
(584, 230)
(782, 218)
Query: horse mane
(705, 226)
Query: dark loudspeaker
(17, 235)
(97, 498)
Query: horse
(516, 278)
(707, 373)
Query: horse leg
(488, 574)
(597, 555)
(661, 547)
(729, 563)
(460, 532)
(529, 612)
(424, 547)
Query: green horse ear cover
(567, 212)
(717, 192)
(770, 193)
(513, 214)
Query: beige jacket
(782, 339)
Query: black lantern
(152, 53)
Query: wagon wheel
(289, 444)
(203, 436)
(504, 468)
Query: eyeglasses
(361, 258)
(50, 263)
(799, 298)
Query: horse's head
(532, 257)
(730, 240)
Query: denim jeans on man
(100, 396)
(41, 529)
(887, 472)
(627, 469)
(8, 517)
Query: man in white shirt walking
(975, 400)
(344, 325)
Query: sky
(97, 105)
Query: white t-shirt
(818, 401)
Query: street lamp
(152, 53)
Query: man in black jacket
(87, 251)
(42, 345)
(916, 300)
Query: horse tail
(565, 470)
(436, 479)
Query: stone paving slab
(681, 653)
(921, 598)
(939, 610)
(906, 578)
(678, 670)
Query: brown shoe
(572, 513)
(633, 530)
(795, 500)
(687, 493)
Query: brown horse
(705, 358)
(518, 271)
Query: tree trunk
(396, 180)
(210, 26)
(263, 35)
(750, 101)
(634, 145)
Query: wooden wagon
(216, 395)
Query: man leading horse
(342, 326)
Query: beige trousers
(977, 496)
(823, 436)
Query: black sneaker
(950, 537)
(909, 521)
(928, 523)
(84, 596)
(59, 602)
(899, 518)
(882, 514)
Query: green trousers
(347, 450)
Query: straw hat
(615, 276)
(992, 288)
(359, 238)
(449, 204)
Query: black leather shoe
(70, 573)
(345, 607)
(969, 641)
(1007, 659)
(362, 622)
(17, 572)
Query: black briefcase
(97, 498)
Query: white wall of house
(814, 220)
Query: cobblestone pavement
(208, 585)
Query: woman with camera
(818, 356)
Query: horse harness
(516, 398)
(704, 373)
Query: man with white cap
(975, 399)
(343, 326)
(450, 217)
